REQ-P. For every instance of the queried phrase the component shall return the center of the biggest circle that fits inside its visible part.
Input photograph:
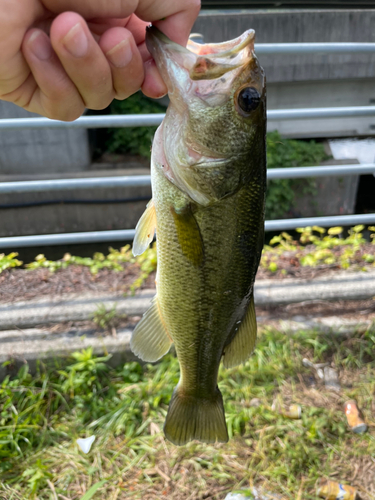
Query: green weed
(287, 153)
(318, 246)
(8, 261)
(106, 319)
(134, 140)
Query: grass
(42, 416)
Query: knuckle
(123, 92)
(98, 104)
(66, 114)
(98, 93)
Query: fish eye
(248, 99)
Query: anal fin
(242, 345)
(145, 230)
(150, 340)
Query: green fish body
(208, 176)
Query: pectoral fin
(145, 229)
(150, 340)
(242, 345)
(189, 235)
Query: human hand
(58, 57)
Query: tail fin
(191, 418)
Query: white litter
(331, 379)
(255, 494)
(86, 443)
(236, 496)
(326, 373)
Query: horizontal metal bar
(145, 180)
(313, 48)
(327, 170)
(112, 121)
(103, 121)
(333, 220)
(66, 238)
(308, 113)
(16, 242)
(66, 184)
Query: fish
(208, 176)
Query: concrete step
(80, 307)
(28, 329)
(72, 307)
(29, 345)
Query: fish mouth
(181, 66)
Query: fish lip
(202, 61)
(153, 32)
(213, 50)
(157, 41)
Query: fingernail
(121, 54)
(75, 41)
(40, 45)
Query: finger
(177, 20)
(177, 17)
(15, 17)
(90, 9)
(48, 91)
(125, 60)
(82, 59)
(153, 84)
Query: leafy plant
(8, 261)
(283, 153)
(318, 246)
(42, 262)
(114, 261)
(134, 140)
(99, 261)
(148, 263)
(84, 377)
(107, 319)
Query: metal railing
(113, 121)
(313, 48)
(145, 180)
(15, 242)
(155, 119)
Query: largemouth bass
(208, 172)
